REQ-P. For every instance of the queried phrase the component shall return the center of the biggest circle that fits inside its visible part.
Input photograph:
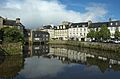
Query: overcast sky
(35, 13)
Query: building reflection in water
(67, 55)
(10, 66)
(36, 50)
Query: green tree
(12, 35)
(97, 35)
(104, 32)
(91, 34)
(117, 34)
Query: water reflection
(60, 62)
(11, 65)
(86, 56)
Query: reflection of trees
(107, 54)
(2, 56)
(11, 66)
(107, 60)
(103, 65)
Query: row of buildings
(78, 31)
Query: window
(113, 28)
(35, 35)
(84, 34)
(84, 29)
(37, 38)
(83, 25)
(46, 35)
(111, 24)
(116, 23)
(80, 33)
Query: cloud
(34, 13)
(42, 67)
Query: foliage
(117, 34)
(104, 32)
(91, 34)
(12, 35)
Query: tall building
(61, 32)
(78, 31)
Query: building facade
(40, 37)
(61, 32)
(78, 31)
(49, 29)
(112, 26)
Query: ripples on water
(60, 62)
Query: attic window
(116, 23)
(111, 24)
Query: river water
(60, 62)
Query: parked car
(117, 41)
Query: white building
(112, 26)
(50, 30)
(78, 31)
(61, 32)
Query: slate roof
(114, 23)
(47, 27)
(79, 24)
(98, 24)
(10, 22)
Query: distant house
(49, 29)
(4, 22)
(112, 25)
(40, 37)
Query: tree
(12, 35)
(97, 35)
(117, 34)
(104, 32)
(91, 34)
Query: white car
(117, 41)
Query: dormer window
(83, 25)
(116, 23)
(111, 24)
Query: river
(60, 62)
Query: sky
(36, 13)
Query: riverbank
(92, 45)
(11, 48)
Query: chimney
(18, 20)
